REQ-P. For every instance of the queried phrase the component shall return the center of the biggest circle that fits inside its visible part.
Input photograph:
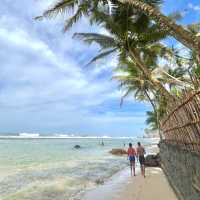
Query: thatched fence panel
(181, 126)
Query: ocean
(52, 169)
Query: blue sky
(44, 86)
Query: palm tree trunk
(159, 87)
(150, 100)
(187, 38)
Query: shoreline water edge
(52, 169)
(117, 183)
(124, 186)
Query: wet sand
(155, 186)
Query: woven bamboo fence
(181, 126)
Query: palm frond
(102, 55)
(60, 7)
(82, 9)
(103, 41)
(106, 21)
(194, 28)
(152, 119)
(127, 93)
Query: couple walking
(139, 153)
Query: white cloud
(49, 74)
(43, 86)
(194, 7)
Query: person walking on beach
(131, 156)
(140, 155)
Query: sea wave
(57, 136)
(61, 182)
(53, 169)
(29, 135)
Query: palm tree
(138, 45)
(133, 82)
(148, 7)
(184, 69)
(80, 8)
(183, 35)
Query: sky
(45, 86)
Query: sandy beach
(122, 186)
(153, 187)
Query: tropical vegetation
(147, 69)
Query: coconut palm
(81, 8)
(132, 81)
(130, 41)
(134, 84)
(183, 35)
(87, 7)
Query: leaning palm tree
(134, 84)
(136, 81)
(130, 32)
(129, 41)
(84, 8)
(87, 7)
(186, 37)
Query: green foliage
(131, 30)
(197, 70)
(194, 28)
(151, 120)
(82, 8)
(133, 82)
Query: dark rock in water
(77, 147)
(118, 152)
(99, 181)
(152, 160)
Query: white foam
(29, 135)
(58, 136)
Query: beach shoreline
(63, 171)
(122, 186)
